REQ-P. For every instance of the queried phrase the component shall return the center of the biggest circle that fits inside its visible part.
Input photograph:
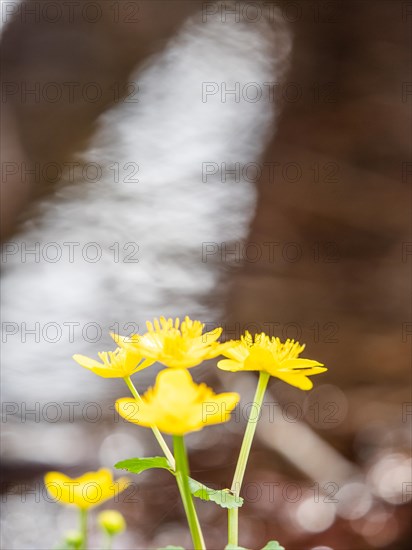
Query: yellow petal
(298, 380)
(146, 363)
(218, 410)
(234, 350)
(125, 341)
(230, 365)
(129, 409)
(211, 336)
(106, 372)
(86, 362)
(305, 371)
(301, 364)
(56, 485)
(260, 359)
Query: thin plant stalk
(182, 477)
(83, 527)
(171, 460)
(233, 513)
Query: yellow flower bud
(73, 538)
(112, 522)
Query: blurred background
(322, 255)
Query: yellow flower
(175, 344)
(112, 522)
(114, 364)
(86, 491)
(177, 405)
(271, 355)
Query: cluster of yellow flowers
(176, 405)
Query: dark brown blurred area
(338, 202)
(328, 261)
(338, 208)
(84, 56)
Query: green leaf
(234, 547)
(139, 465)
(273, 545)
(223, 498)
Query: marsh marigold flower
(177, 405)
(86, 491)
(173, 343)
(119, 363)
(263, 353)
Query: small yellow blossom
(86, 491)
(119, 363)
(177, 405)
(263, 353)
(173, 343)
(112, 522)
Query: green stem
(83, 527)
(155, 431)
(182, 477)
(233, 514)
(233, 526)
(109, 542)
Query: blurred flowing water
(132, 243)
(146, 220)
